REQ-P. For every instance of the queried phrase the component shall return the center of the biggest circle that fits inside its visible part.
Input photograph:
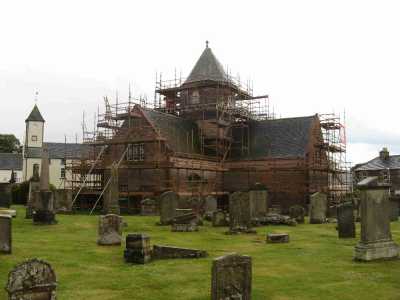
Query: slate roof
(177, 131)
(207, 68)
(59, 151)
(378, 164)
(11, 161)
(280, 138)
(35, 115)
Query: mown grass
(314, 265)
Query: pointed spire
(207, 68)
(35, 115)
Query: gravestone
(297, 212)
(394, 209)
(219, 219)
(111, 194)
(231, 277)
(5, 234)
(168, 252)
(5, 195)
(275, 238)
(34, 186)
(258, 197)
(318, 208)
(211, 204)
(63, 200)
(43, 205)
(138, 250)
(376, 238)
(168, 205)
(345, 218)
(239, 213)
(277, 219)
(148, 207)
(32, 280)
(185, 221)
(110, 230)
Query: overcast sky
(309, 56)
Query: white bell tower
(34, 129)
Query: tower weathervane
(207, 44)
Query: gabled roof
(280, 138)
(11, 161)
(177, 131)
(35, 115)
(378, 164)
(59, 151)
(207, 68)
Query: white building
(10, 162)
(60, 154)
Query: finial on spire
(207, 44)
(36, 97)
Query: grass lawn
(314, 265)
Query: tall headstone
(297, 213)
(168, 205)
(43, 206)
(345, 216)
(111, 194)
(138, 250)
(110, 230)
(376, 238)
(318, 208)
(258, 197)
(5, 234)
(32, 280)
(5, 195)
(34, 186)
(231, 277)
(239, 213)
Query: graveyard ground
(314, 265)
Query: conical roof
(207, 68)
(35, 115)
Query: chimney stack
(384, 154)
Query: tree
(9, 143)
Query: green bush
(20, 192)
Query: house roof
(59, 151)
(177, 131)
(35, 115)
(378, 164)
(11, 161)
(207, 67)
(280, 138)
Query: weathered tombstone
(148, 207)
(258, 197)
(32, 280)
(34, 186)
(297, 212)
(376, 238)
(138, 249)
(196, 204)
(231, 277)
(111, 194)
(43, 206)
(63, 200)
(277, 219)
(211, 204)
(275, 238)
(168, 205)
(318, 208)
(394, 209)
(168, 252)
(5, 195)
(185, 222)
(239, 213)
(110, 230)
(219, 219)
(5, 234)
(345, 216)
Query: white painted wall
(5, 176)
(34, 129)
